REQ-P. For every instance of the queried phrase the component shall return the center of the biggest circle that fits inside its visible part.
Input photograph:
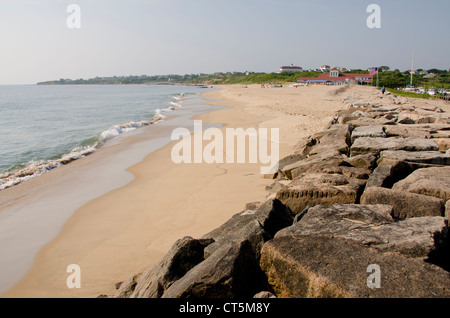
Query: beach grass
(409, 94)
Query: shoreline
(34, 212)
(132, 227)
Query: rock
(443, 143)
(315, 166)
(126, 288)
(345, 118)
(290, 160)
(331, 267)
(386, 109)
(365, 161)
(252, 205)
(275, 187)
(382, 176)
(375, 145)
(372, 225)
(431, 127)
(264, 294)
(429, 157)
(406, 132)
(430, 181)
(325, 158)
(253, 232)
(440, 134)
(184, 255)
(254, 226)
(325, 189)
(304, 146)
(314, 219)
(365, 121)
(273, 175)
(232, 271)
(405, 119)
(336, 138)
(368, 131)
(273, 216)
(351, 172)
(402, 169)
(405, 204)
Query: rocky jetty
(361, 209)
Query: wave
(36, 168)
(179, 97)
(178, 105)
(116, 130)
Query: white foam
(37, 168)
(178, 105)
(158, 114)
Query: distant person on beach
(383, 90)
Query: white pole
(412, 68)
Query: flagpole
(378, 79)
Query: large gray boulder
(406, 131)
(337, 138)
(373, 225)
(255, 226)
(430, 181)
(288, 160)
(331, 158)
(319, 266)
(428, 157)
(375, 145)
(367, 121)
(365, 161)
(368, 131)
(405, 204)
(321, 188)
(232, 271)
(184, 255)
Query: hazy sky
(136, 37)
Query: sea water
(43, 127)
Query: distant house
(325, 68)
(290, 69)
(430, 75)
(334, 72)
(334, 77)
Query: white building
(325, 68)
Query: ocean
(44, 127)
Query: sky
(156, 37)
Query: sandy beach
(130, 228)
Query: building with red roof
(334, 77)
